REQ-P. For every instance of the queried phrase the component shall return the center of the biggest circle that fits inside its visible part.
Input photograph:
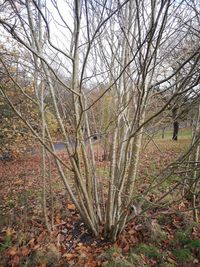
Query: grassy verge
(184, 133)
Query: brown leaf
(126, 248)
(12, 251)
(41, 237)
(18, 182)
(71, 206)
(15, 261)
(115, 255)
(181, 206)
(57, 219)
(91, 263)
(31, 242)
(25, 251)
(69, 256)
(36, 247)
(131, 231)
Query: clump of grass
(133, 260)
(112, 252)
(186, 249)
(165, 219)
(183, 255)
(195, 244)
(181, 239)
(7, 243)
(149, 251)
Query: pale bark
(120, 48)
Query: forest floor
(163, 237)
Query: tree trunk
(175, 130)
(163, 133)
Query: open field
(163, 236)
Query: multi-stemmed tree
(106, 52)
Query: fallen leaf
(18, 182)
(126, 248)
(68, 256)
(71, 206)
(57, 219)
(12, 251)
(25, 251)
(36, 247)
(31, 242)
(181, 206)
(115, 255)
(91, 263)
(131, 231)
(15, 261)
(41, 237)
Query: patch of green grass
(133, 260)
(149, 251)
(166, 264)
(181, 238)
(22, 198)
(185, 248)
(162, 237)
(183, 255)
(113, 251)
(195, 244)
(7, 243)
(165, 219)
(102, 171)
(112, 255)
(184, 133)
(11, 203)
(120, 263)
(171, 180)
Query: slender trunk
(110, 203)
(163, 133)
(175, 123)
(195, 190)
(175, 130)
(44, 174)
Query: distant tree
(15, 135)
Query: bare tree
(117, 49)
